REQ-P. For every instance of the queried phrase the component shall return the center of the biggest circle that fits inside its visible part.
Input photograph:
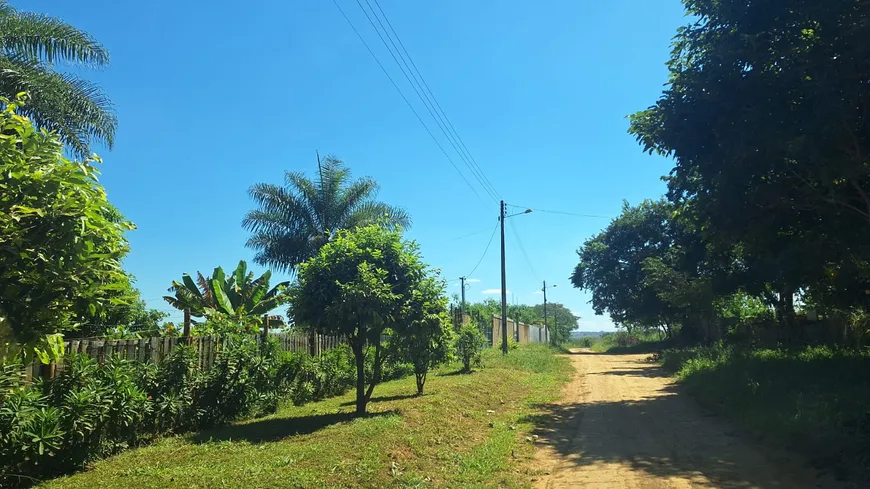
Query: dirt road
(621, 424)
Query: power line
(420, 119)
(445, 125)
(484, 252)
(523, 251)
(561, 212)
(475, 233)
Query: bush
(469, 345)
(813, 400)
(92, 410)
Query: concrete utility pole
(462, 304)
(504, 341)
(501, 218)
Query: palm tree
(31, 45)
(293, 222)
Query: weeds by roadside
(813, 400)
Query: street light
(502, 217)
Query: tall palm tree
(31, 46)
(293, 222)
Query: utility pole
(462, 304)
(545, 309)
(504, 341)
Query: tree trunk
(421, 381)
(357, 346)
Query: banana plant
(237, 297)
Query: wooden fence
(157, 348)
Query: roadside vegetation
(812, 399)
(754, 268)
(464, 432)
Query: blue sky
(213, 99)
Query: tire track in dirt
(621, 424)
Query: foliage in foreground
(93, 410)
(813, 400)
(61, 241)
(467, 431)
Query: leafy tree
(765, 116)
(293, 222)
(425, 341)
(361, 285)
(237, 299)
(31, 48)
(469, 345)
(126, 315)
(61, 241)
(560, 321)
(611, 265)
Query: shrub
(469, 345)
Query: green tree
(765, 115)
(126, 314)
(426, 338)
(61, 241)
(293, 222)
(361, 285)
(611, 265)
(237, 299)
(469, 345)
(560, 321)
(31, 48)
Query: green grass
(622, 342)
(464, 432)
(814, 400)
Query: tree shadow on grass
(453, 373)
(398, 397)
(274, 429)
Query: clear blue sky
(215, 97)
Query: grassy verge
(815, 400)
(465, 432)
(622, 342)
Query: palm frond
(47, 39)
(76, 109)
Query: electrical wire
(484, 252)
(417, 115)
(522, 248)
(561, 212)
(428, 97)
(475, 233)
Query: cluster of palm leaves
(31, 48)
(237, 297)
(294, 221)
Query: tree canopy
(61, 241)
(363, 283)
(293, 221)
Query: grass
(814, 400)
(622, 342)
(464, 432)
